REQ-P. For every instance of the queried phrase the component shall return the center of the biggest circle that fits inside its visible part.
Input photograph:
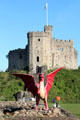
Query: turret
(48, 29)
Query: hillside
(66, 84)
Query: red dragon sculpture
(39, 90)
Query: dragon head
(41, 77)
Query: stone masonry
(44, 50)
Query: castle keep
(44, 50)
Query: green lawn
(73, 108)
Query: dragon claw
(36, 108)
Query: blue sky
(17, 17)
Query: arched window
(61, 49)
(37, 58)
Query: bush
(66, 85)
(9, 85)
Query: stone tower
(39, 47)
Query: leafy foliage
(9, 85)
(66, 85)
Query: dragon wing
(28, 81)
(50, 78)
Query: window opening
(20, 56)
(61, 49)
(39, 39)
(37, 58)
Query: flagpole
(47, 13)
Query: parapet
(48, 28)
(57, 40)
(36, 34)
(47, 31)
(16, 51)
(66, 41)
(71, 41)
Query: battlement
(37, 34)
(57, 40)
(71, 41)
(16, 51)
(66, 41)
(47, 31)
(48, 28)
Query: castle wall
(51, 52)
(17, 59)
(63, 52)
(44, 50)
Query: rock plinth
(26, 111)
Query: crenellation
(66, 41)
(71, 41)
(62, 41)
(37, 34)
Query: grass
(73, 108)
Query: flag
(46, 6)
